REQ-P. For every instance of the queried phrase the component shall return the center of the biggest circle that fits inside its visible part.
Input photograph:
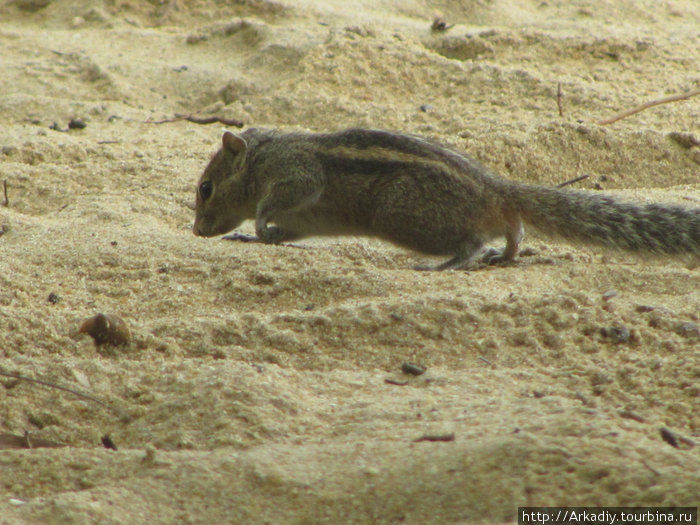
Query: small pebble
(641, 308)
(617, 334)
(108, 443)
(77, 123)
(688, 330)
(106, 329)
(609, 295)
(411, 369)
(669, 437)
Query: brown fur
(414, 193)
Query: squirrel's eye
(205, 189)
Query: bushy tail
(603, 220)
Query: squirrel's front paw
(271, 235)
(241, 237)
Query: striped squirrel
(414, 193)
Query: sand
(253, 390)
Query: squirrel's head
(221, 189)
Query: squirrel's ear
(234, 143)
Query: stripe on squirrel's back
(372, 172)
(376, 158)
(363, 139)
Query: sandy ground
(254, 389)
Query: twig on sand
(59, 387)
(200, 120)
(572, 181)
(6, 202)
(561, 111)
(485, 360)
(435, 437)
(649, 104)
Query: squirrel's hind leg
(470, 251)
(514, 236)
